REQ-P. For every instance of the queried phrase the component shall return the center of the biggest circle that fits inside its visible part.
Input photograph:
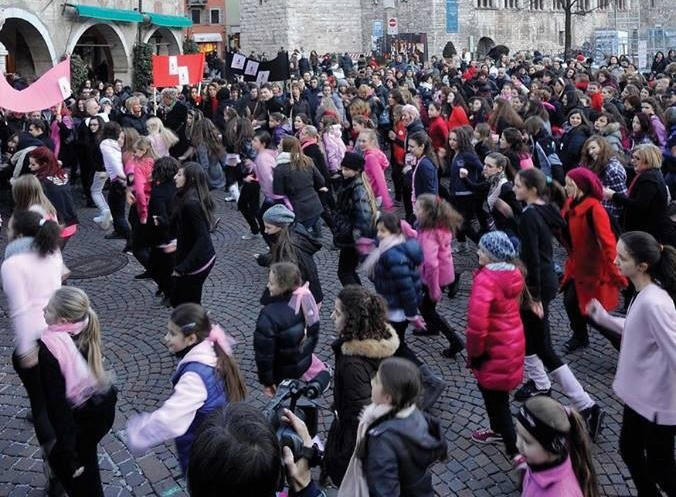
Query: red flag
(174, 70)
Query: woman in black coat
(283, 340)
(572, 141)
(298, 179)
(192, 222)
(365, 339)
(645, 207)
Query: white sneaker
(106, 221)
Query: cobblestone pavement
(133, 323)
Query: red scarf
(633, 182)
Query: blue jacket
(397, 277)
(469, 161)
(216, 398)
(425, 179)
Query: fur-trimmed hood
(610, 128)
(372, 348)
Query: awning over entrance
(168, 21)
(107, 14)
(207, 38)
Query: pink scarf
(79, 378)
(302, 297)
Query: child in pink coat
(332, 141)
(495, 341)
(554, 443)
(375, 163)
(437, 221)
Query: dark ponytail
(46, 234)
(661, 259)
(547, 188)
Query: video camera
(302, 403)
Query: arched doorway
(103, 48)
(163, 41)
(31, 52)
(484, 46)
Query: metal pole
(138, 35)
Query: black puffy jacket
(354, 216)
(283, 345)
(357, 361)
(399, 453)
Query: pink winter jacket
(334, 148)
(437, 268)
(143, 170)
(559, 481)
(495, 341)
(375, 163)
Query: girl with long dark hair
(192, 222)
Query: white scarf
(387, 243)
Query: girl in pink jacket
(495, 341)
(332, 141)
(437, 221)
(554, 442)
(139, 172)
(375, 163)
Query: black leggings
(348, 260)
(500, 417)
(470, 207)
(188, 288)
(117, 200)
(93, 420)
(161, 267)
(434, 321)
(403, 350)
(30, 377)
(579, 322)
(648, 451)
(249, 204)
(538, 338)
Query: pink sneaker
(487, 436)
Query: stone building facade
(38, 34)
(329, 26)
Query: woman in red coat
(590, 269)
(495, 341)
(457, 111)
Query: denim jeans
(98, 182)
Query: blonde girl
(141, 166)
(28, 194)
(161, 138)
(79, 397)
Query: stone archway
(104, 48)
(484, 46)
(31, 51)
(164, 41)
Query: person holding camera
(207, 378)
(236, 452)
(396, 442)
(365, 338)
(285, 338)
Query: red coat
(591, 256)
(457, 118)
(495, 341)
(438, 132)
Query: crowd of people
(398, 167)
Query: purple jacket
(559, 481)
(264, 164)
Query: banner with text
(174, 70)
(259, 71)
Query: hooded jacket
(357, 361)
(400, 452)
(375, 163)
(495, 339)
(283, 344)
(397, 277)
(613, 135)
(537, 225)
